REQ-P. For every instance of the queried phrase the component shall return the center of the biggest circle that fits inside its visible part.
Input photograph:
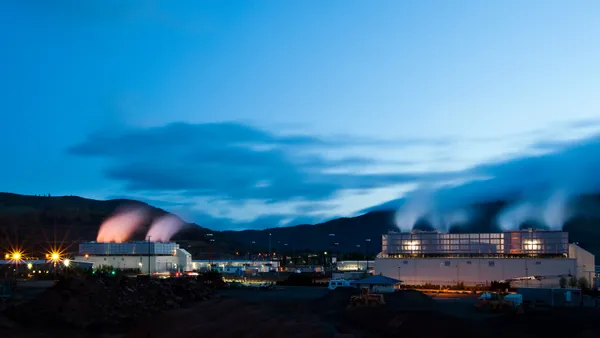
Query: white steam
(552, 212)
(421, 206)
(413, 210)
(163, 228)
(443, 221)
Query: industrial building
(146, 256)
(354, 265)
(234, 266)
(526, 257)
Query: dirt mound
(408, 299)
(558, 322)
(335, 300)
(95, 301)
(383, 322)
(226, 317)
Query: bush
(582, 283)
(562, 282)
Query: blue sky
(245, 114)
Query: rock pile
(96, 301)
(408, 299)
(335, 300)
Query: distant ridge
(35, 220)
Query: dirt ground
(315, 312)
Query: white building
(159, 257)
(354, 265)
(234, 266)
(527, 258)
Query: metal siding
(514, 242)
(128, 248)
(448, 271)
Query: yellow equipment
(495, 302)
(367, 298)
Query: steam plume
(119, 227)
(413, 210)
(422, 206)
(443, 221)
(164, 228)
(552, 212)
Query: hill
(37, 221)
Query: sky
(255, 114)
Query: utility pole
(210, 240)
(367, 241)
(331, 237)
(252, 253)
(270, 252)
(149, 255)
(358, 257)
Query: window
(447, 263)
(491, 263)
(405, 262)
(538, 263)
(468, 262)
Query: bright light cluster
(532, 245)
(15, 256)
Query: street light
(331, 236)
(16, 256)
(54, 258)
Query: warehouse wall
(158, 263)
(585, 262)
(473, 271)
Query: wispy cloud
(216, 173)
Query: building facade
(528, 258)
(144, 256)
(234, 266)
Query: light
(411, 245)
(67, 262)
(55, 256)
(112, 272)
(15, 256)
(532, 245)
(86, 256)
(7, 256)
(29, 266)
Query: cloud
(572, 167)
(232, 161)
(235, 175)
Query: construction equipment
(367, 298)
(497, 303)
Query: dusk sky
(254, 114)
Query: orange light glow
(122, 225)
(15, 255)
